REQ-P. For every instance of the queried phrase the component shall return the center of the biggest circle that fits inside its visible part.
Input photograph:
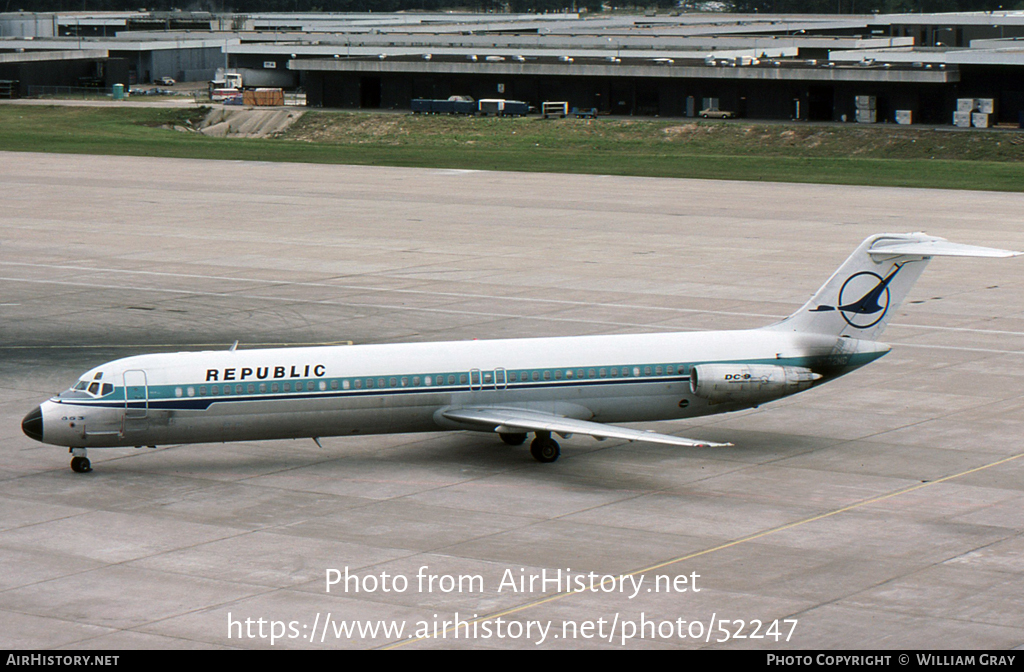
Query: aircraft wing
(515, 420)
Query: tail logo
(873, 304)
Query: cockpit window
(86, 389)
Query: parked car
(166, 81)
(717, 114)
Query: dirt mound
(247, 123)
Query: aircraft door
(136, 395)
(487, 379)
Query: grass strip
(827, 154)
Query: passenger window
(202, 391)
(428, 381)
(263, 387)
(658, 370)
(415, 381)
(463, 378)
(603, 373)
(334, 384)
(647, 370)
(380, 382)
(547, 375)
(512, 376)
(344, 385)
(558, 374)
(369, 383)
(591, 373)
(191, 391)
(251, 388)
(405, 381)
(323, 385)
(535, 375)
(615, 372)
(274, 387)
(359, 383)
(227, 389)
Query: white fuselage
(238, 395)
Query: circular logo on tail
(864, 299)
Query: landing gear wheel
(545, 449)
(513, 439)
(81, 465)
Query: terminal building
(756, 66)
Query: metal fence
(82, 92)
(101, 93)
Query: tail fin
(860, 297)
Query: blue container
(118, 91)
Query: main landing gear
(544, 448)
(79, 462)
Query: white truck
(229, 83)
(225, 84)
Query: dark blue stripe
(203, 403)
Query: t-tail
(859, 298)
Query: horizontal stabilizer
(936, 247)
(515, 419)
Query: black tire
(545, 450)
(81, 465)
(513, 439)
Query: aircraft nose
(32, 425)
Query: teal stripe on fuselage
(175, 397)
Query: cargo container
(263, 97)
(981, 120)
(962, 119)
(866, 116)
(866, 102)
(499, 107)
(986, 105)
(904, 117)
(966, 105)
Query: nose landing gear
(79, 462)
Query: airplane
(511, 387)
